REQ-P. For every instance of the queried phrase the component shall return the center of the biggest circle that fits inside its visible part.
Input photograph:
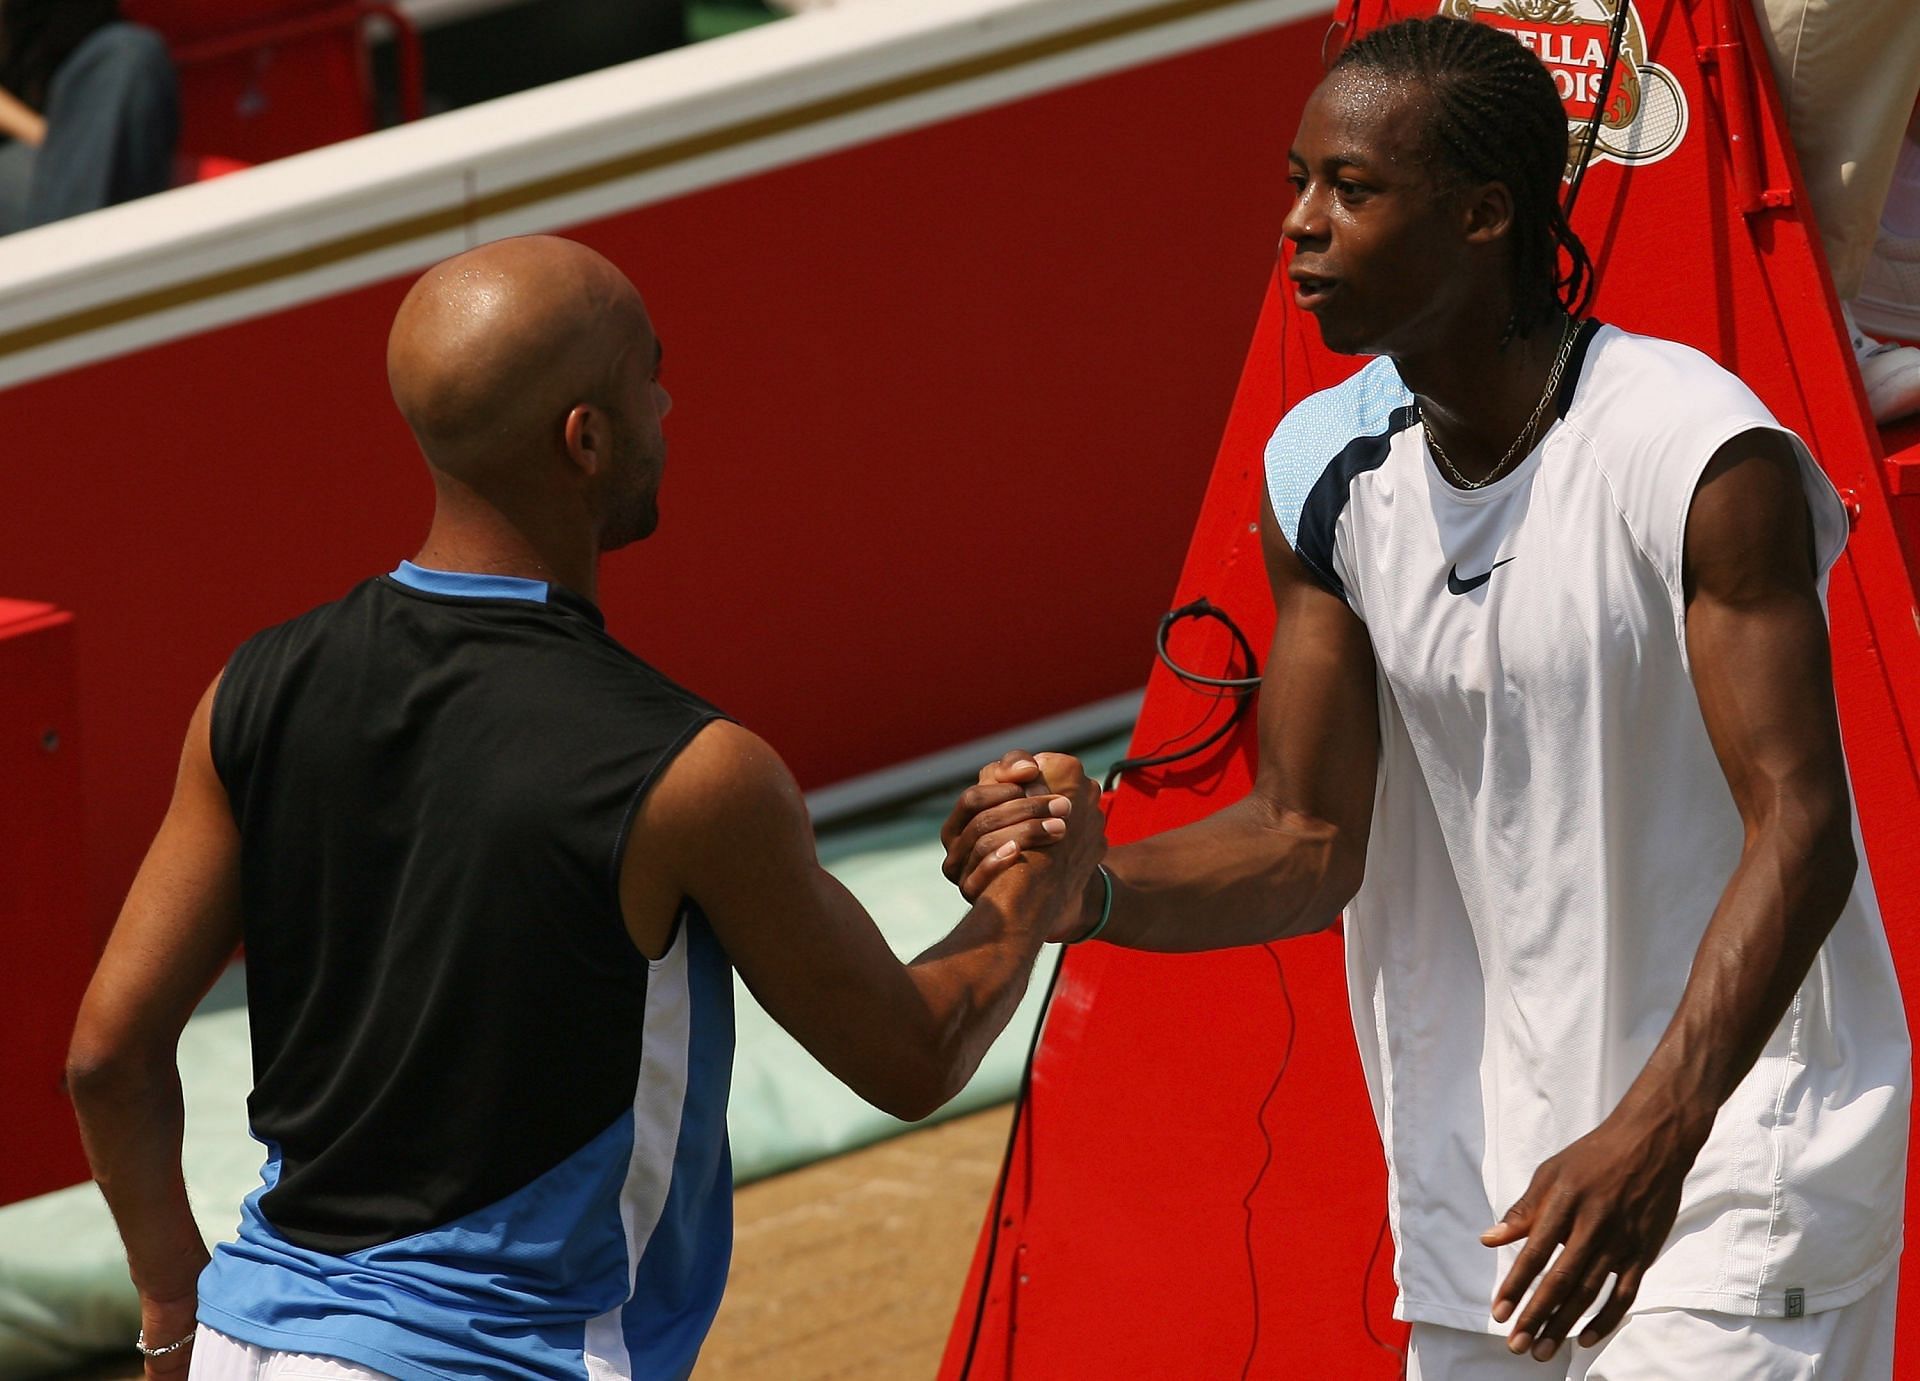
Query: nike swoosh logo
(1457, 586)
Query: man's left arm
(178, 928)
(1756, 635)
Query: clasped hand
(1022, 802)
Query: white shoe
(1889, 300)
(1892, 375)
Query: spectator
(88, 108)
(1848, 75)
(1889, 301)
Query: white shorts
(216, 1357)
(1852, 1343)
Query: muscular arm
(1286, 857)
(1757, 638)
(178, 928)
(726, 826)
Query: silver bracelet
(140, 1344)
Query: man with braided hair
(1549, 712)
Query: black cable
(1205, 608)
(1616, 35)
(1366, 1319)
(1240, 688)
(1266, 1161)
(1006, 1165)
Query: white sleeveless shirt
(1551, 833)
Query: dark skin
(1757, 637)
(1390, 263)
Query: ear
(587, 438)
(1487, 212)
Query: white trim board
(360, 212)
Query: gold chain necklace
(1553, 386)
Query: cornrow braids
(1494, 115)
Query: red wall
(944, 408)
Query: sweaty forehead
(1365, 115)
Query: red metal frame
(46, 946)
(241, 106)
(353, 16)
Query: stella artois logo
(1646, 114)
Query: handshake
(1032, 813)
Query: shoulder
(1331, 436)
(1655, 415)
(273, 649)
(315, 620)
(730, 758)
(725, 789)
(1652, 413)
(628, 690)
(639, 684)
(1321, 425)
(239, 705)
(1647, 388)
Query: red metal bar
(406, 45)
(1726, 61)
(265, 35)
(46, 947)
(354, 16)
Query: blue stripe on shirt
(468, 585)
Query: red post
(1726, 59)
(46, 948)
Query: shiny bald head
(527, 369)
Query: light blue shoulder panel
(1318, 429)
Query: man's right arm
(727, 827)
(1285, 858)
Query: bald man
(493, 874)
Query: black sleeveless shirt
(434, 781)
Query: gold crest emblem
(1646, 112)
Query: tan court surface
(847, 1270)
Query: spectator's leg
(1848, 72)
(113, 119)
(1889, 300)
(16, 177)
